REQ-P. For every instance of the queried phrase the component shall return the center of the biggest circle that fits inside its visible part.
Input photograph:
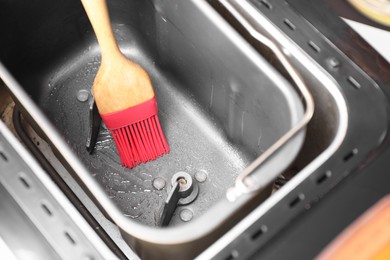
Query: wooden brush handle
(119, 83)
(98, 16)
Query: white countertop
(377, 38)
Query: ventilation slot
(259, 232)
(70, 238)
(289, 24)
(353, 82)
(24, 182)
(266, 4)
(46, 209)
(314, 46)
(350, 155)
(295, 201)
(324, 177)
(3, 156)
(234, 254)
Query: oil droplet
(148, 175)
(132, 216)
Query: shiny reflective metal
(94, 125)
(244, 183)
(222, 105)
(38, 222)
(182, 188)
(335, 133)
(170, 204)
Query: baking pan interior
(220, 103)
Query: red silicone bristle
(140, 142)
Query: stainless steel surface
(217, 116)
(208, 124)
(327, 135)
(105, 224)
(20, 235)
(38, 222)
(326, 132)
(353, 130)
(94, 124)
(183, 192)
(246, 182)
(170, 204)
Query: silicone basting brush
(124, 96)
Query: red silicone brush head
(137, 133)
